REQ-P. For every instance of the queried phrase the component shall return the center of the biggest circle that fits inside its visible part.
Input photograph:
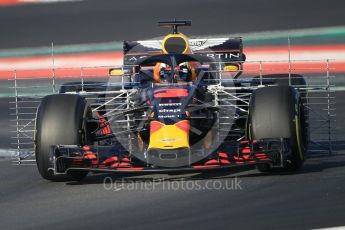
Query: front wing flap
(107, 159)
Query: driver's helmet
(164, 72)
(182, 73)
(185, 72)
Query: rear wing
(222, 49)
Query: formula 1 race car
(176, 105)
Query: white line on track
(332, 228)
(7, 153)
(315, 31)
(48, 1)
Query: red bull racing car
(176, 105)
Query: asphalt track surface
(312, 198)
(108, 20)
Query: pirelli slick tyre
(276, 112)
(60, 120)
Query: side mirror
(119, 71)
(231, 68)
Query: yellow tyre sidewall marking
(298, 134)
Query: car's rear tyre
(281, 79)
(60, 120)
(276, 112)
(78, 86)
(296, 80)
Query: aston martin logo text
(224, 55)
